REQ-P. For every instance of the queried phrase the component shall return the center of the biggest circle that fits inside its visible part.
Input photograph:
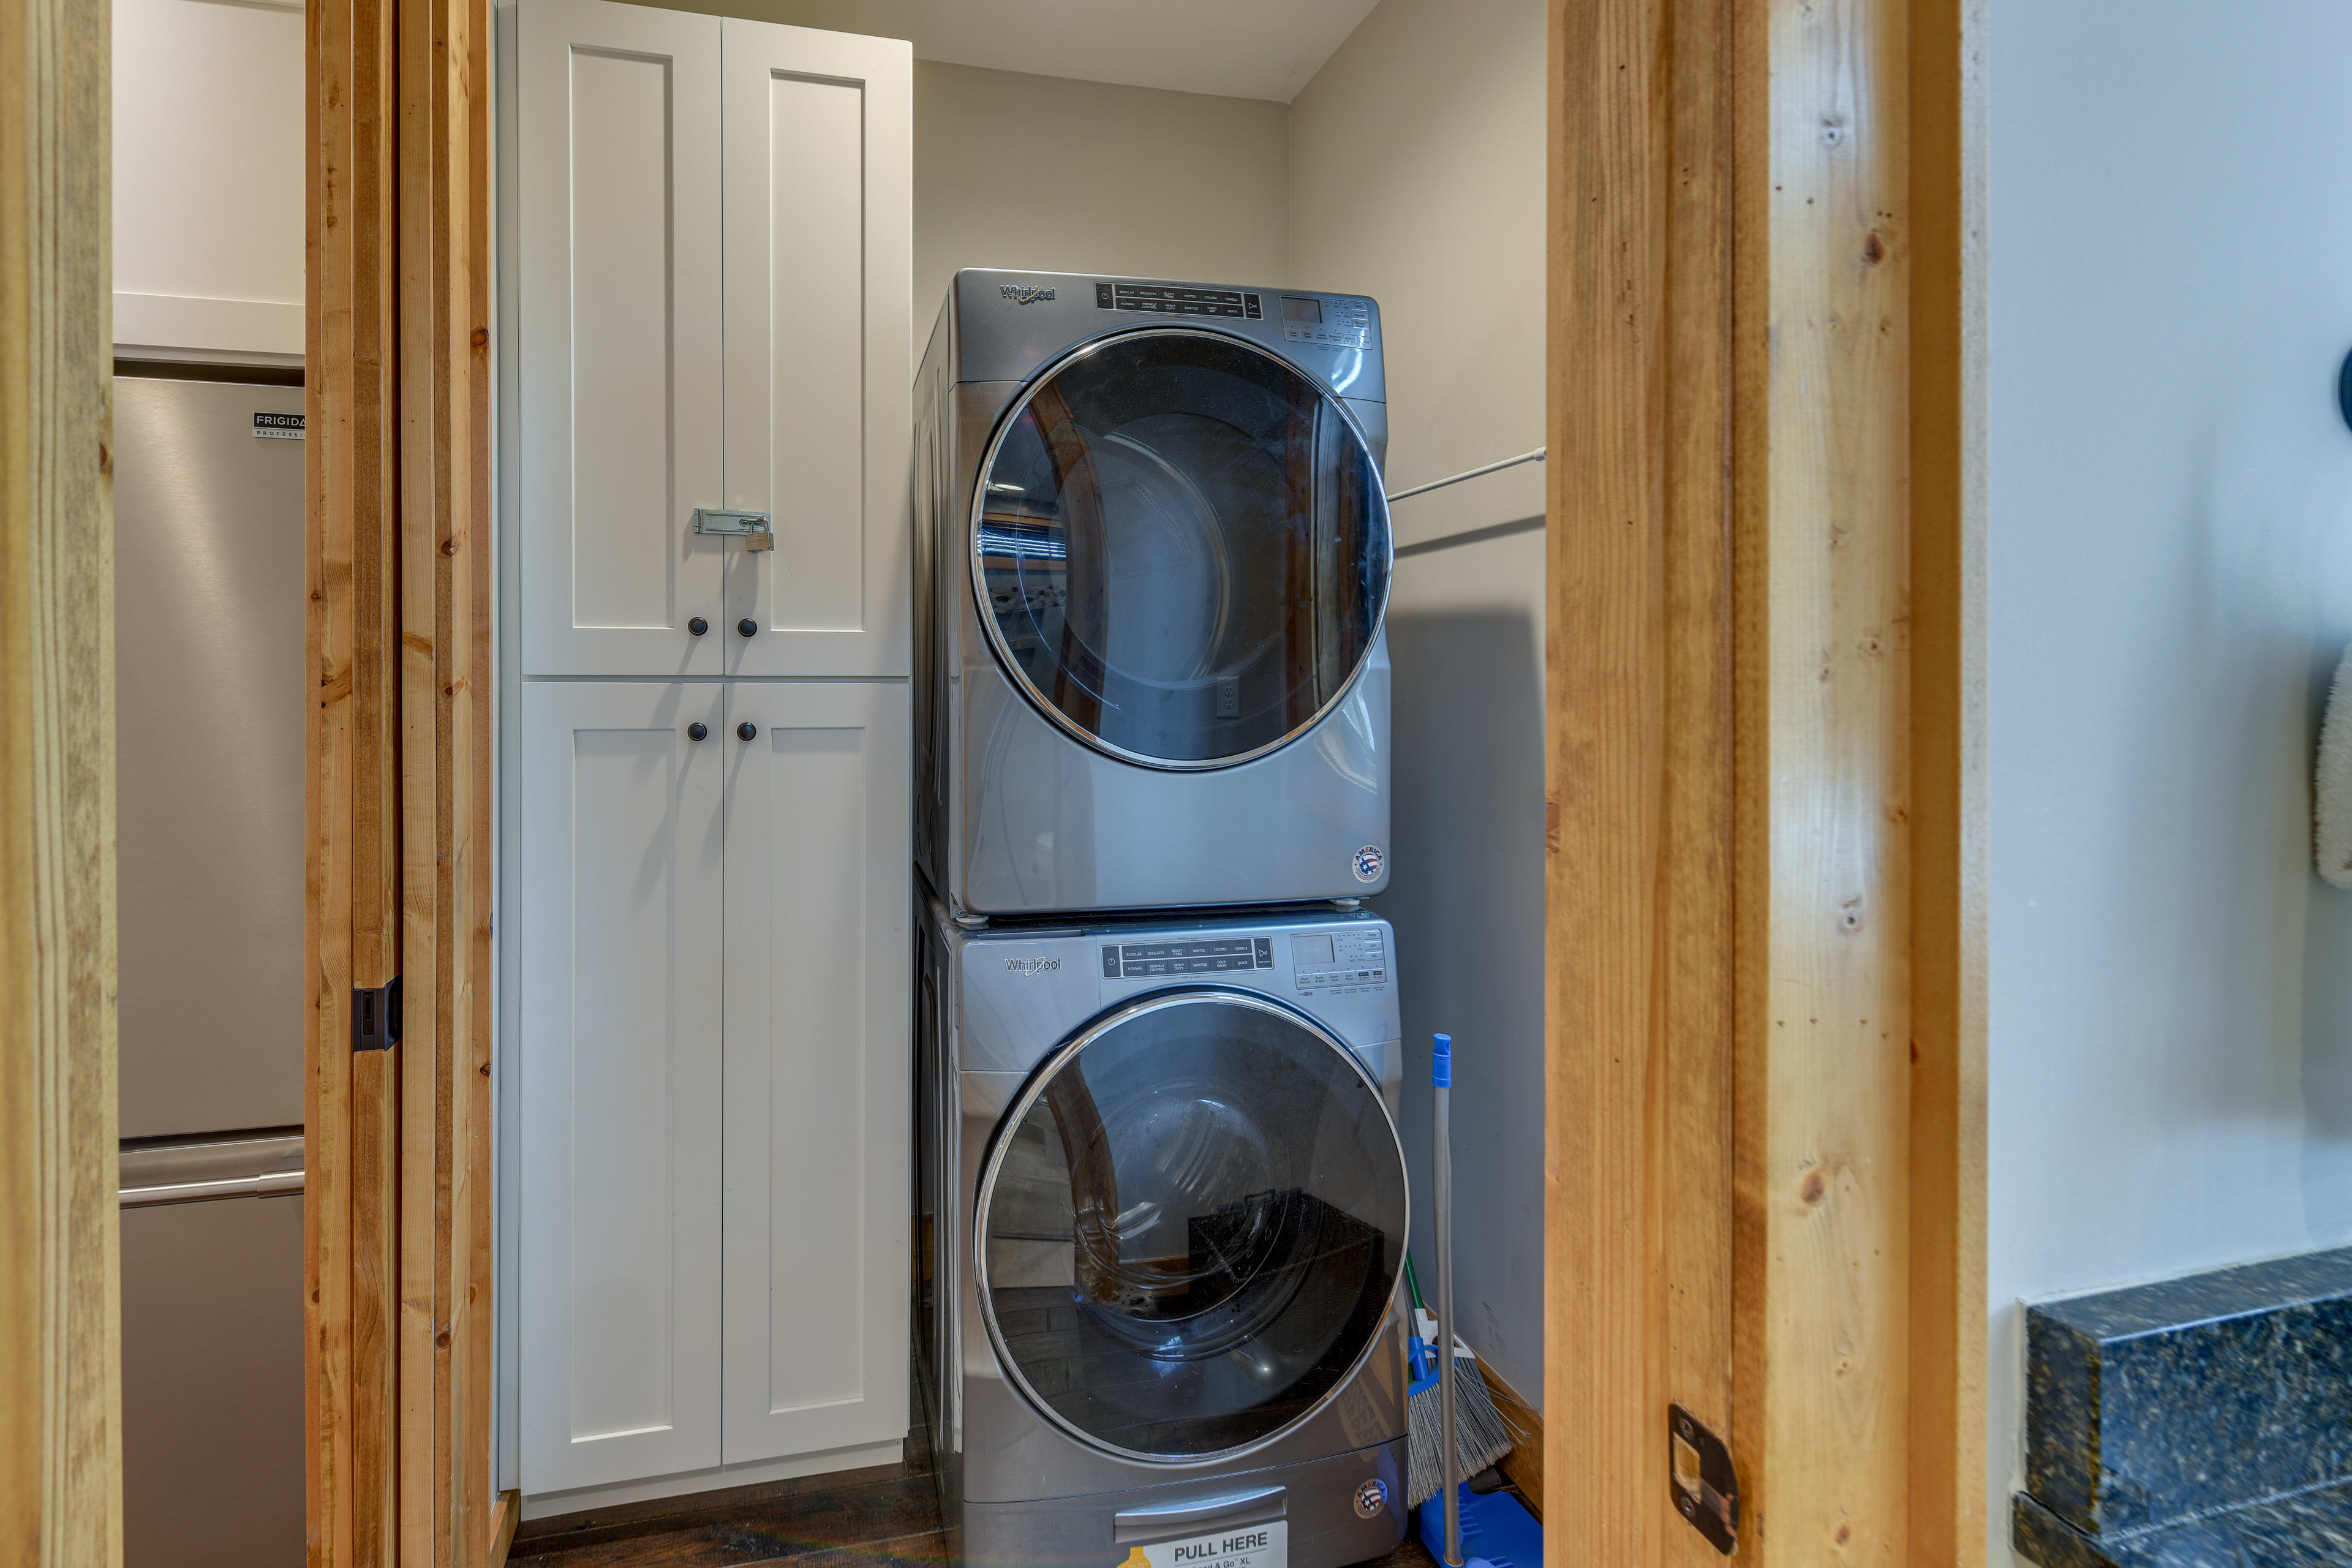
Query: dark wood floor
(884, 1518)
(888, 1517)
(886, 1522)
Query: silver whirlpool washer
(1152, 559)
(1161, 1225)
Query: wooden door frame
(60, 1358)
(1765, 877)
(398, 1315)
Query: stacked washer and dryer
(1162, 1201)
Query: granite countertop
(2199, 1423)
(2308, 1529)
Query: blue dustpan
(1494, 1529)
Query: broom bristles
(2332, 786)
(1478, 1433)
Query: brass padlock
(760, 539)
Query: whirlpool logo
(1031, 966)
(1021, 296)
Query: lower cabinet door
(818, 1069)
(619, 915)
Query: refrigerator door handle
(198, 1169)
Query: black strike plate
(375, 1017)
(1699, 1467)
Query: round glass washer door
(1190, 1225)
(1180, 547)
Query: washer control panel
(1152, 960)
(1339, 960)
(1020, 990)
(1322, 318)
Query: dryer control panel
(1174, 300)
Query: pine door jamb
(1765, 983)
(396, 1262)
(60, 1359)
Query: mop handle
(1441, 1078)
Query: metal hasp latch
(752, 527)
(375, 1017)
(1699, 1467)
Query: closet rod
(1535, 457)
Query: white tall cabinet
(708, 300)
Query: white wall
(1417, 178)
(1047, 173)
(1020, 171)
(1225, 48)
(2171, 579)
(208, 184)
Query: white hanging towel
(2333, 790)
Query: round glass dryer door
(1190, 1225)
(1180, 547)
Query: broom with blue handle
(1455, 1429)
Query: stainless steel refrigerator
(208, 705)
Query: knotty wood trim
(477, 1335)
(503, 1519)
(399, 1358)
(1765, 881)
(446, 1506)
(60, 1357)
(1822, 871)
(352, 759)
(1947, 1302)
(1639, 1208)
(424, 794)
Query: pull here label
(1264, 1545)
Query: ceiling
(1234, 48)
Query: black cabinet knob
(748, 627)
(747, 729)
(697, 625)
(696, 731)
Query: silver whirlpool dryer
(1151, 565)
(1162, 1221)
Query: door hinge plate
(375, 1017)
(1698, 1468)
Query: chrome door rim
(1004, 654)
(998, 1143)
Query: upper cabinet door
(820, 347)
(618, 181)
(817, 1109)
